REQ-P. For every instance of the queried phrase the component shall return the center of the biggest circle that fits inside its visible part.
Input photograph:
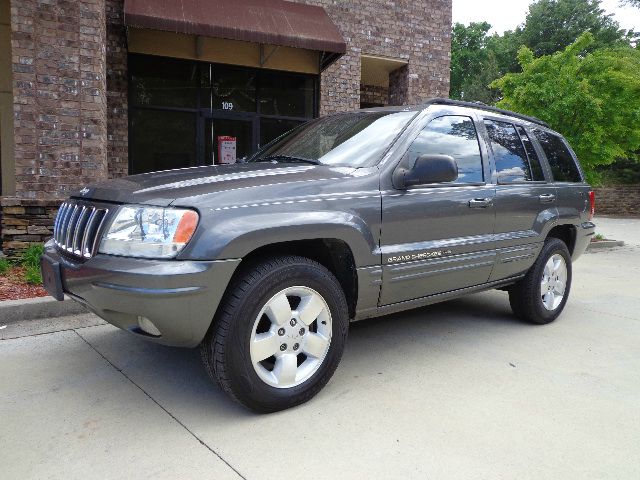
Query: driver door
(439, 237)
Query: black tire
(525, 296)
(226, 348)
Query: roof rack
(482, 106)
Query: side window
(563, 166)
(455, 136)
(512, 163)
(534, 161)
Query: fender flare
(235, 238)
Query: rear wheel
(542, 294)
(279, 334)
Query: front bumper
(179, 297)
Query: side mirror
(427, 169)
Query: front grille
(76, 228)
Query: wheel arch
(332, 253)
(567, 233)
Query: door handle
(481, 203)
(547, 198)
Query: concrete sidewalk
(459, 390)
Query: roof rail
(482, 106)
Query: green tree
(468, 54)
(593, 99)
(552, 25)
(504, 49)
(476, 88)
(478, 58)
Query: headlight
(149, 232)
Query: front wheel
(542, 294)
(279, 334)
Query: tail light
(592, 204)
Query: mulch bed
(13, 286)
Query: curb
(12, 311)
(604, 244)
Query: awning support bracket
(264, 59)
(199, 46)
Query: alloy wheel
(291, 337)
(554, 282)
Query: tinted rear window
(563, 167)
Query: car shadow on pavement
(175, 377)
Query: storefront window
(233, 89)
(179, 109)
(163, 82)
(286, 95)
(161, 140)
(271, 128)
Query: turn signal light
(186, 227)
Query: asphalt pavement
(459, 390)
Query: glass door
(228, 138)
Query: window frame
(543, 167)
(484, 159)
(515, 124)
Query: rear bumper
(584, 234)
(179, 297)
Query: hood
(166, 187)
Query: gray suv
(262, 264)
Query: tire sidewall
(550, 248)
(242, 375)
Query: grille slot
(76, 228)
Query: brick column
(340, 84)
(59, 90)
(399, 86)
(117, 91)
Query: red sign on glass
(226, 149)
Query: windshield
(357, 139)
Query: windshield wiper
(288, 158)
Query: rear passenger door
(572, 192)
(525, 198)
(439, 237)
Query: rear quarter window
(563, 166)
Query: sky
(507, 14)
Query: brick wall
(26, 221)
(398, 86)
(59, 94)
(60, 111)
(117, 91)
(618, 200)
(374, 94)
(418, 31)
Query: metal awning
(271, 22)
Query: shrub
(31, 256)
(4, 266)
(32, 275)
(31, 262)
